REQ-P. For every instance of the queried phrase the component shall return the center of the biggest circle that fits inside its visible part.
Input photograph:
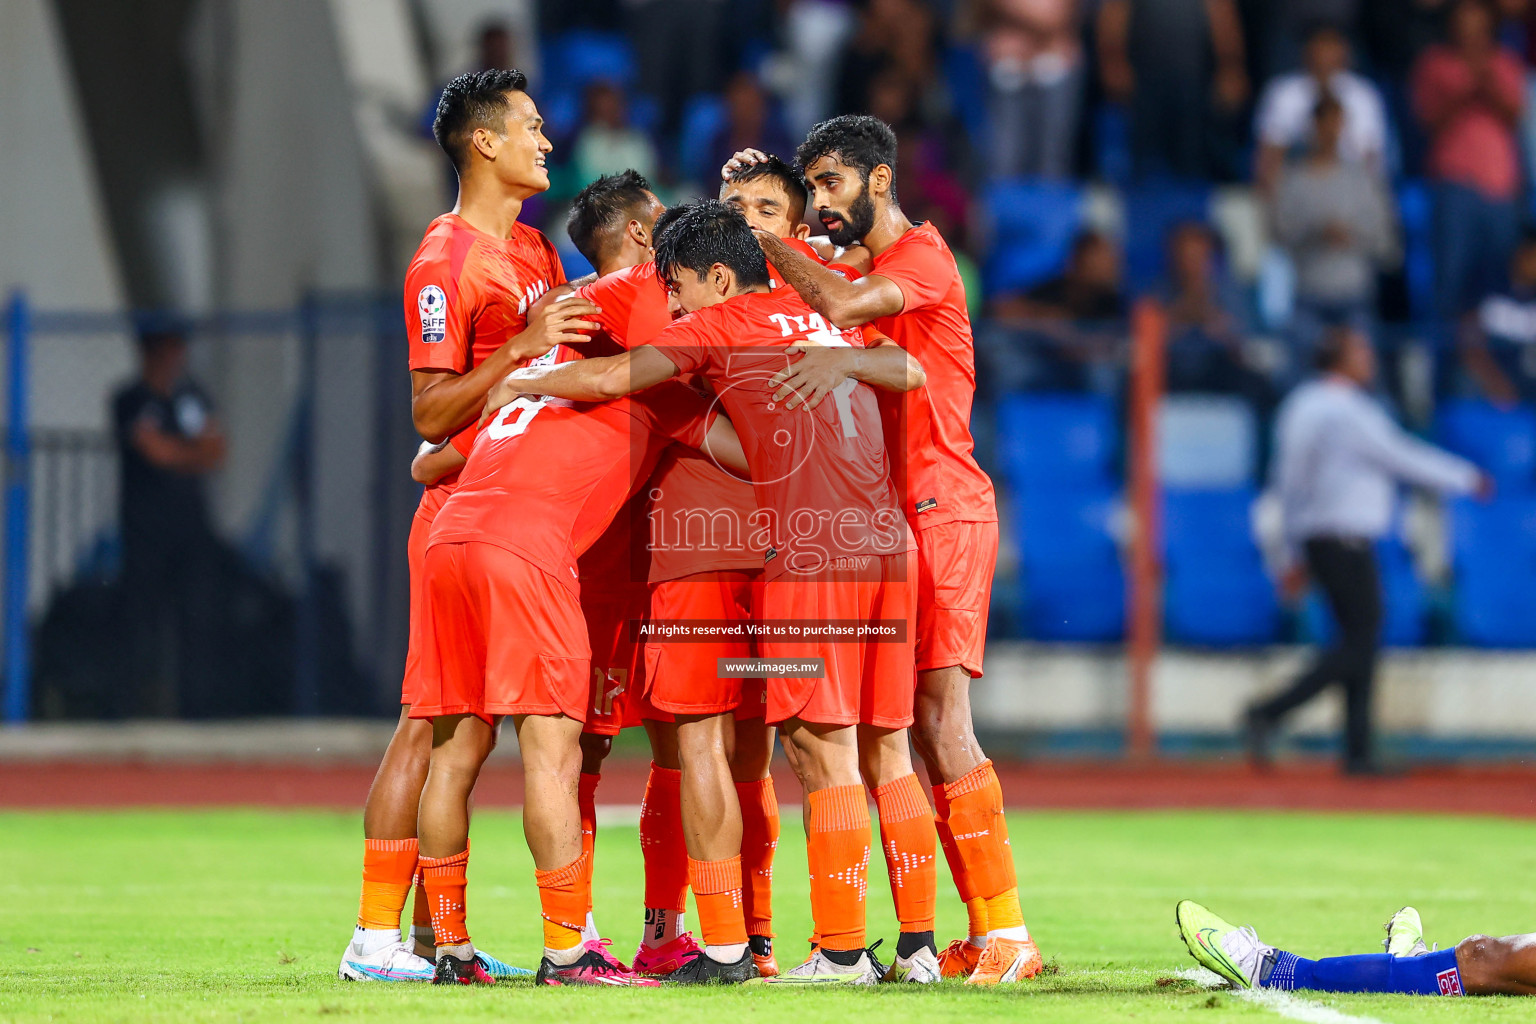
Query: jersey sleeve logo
(432, 304)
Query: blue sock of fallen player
(1433, 974)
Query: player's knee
(1480, 959)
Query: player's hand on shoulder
(742, 158)
(560, 317)
(818, 372)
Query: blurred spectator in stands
(1207, 325)
(805, 72)
(1034, 66)
(927, 178)
(1050, 337)
(1498, 340)
(1332, 216)
(900, 37)
(1469, 93)
(750, 123)
(1178, 67)
(606, 143)
(168, 440)
(1338, 461)
(1285, 30)
(1283, 123)
(682, 50)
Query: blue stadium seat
(1151, 209)
(1501, 441)
(703, 116)
(968, 87)
(1493, 551)
(1056, 440)
(1415, 209)
(573, 59)
(1073, 588)
(1216, 592)
(1405, 601)
(1032, 224)
(1112, 143)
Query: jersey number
(818, 332)
(514, 417)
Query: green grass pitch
(242, 915)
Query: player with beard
(837, 547)
(914, 294)
(473, 311)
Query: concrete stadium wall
(1439, 694)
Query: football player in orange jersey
(914, 294)
(473, 311)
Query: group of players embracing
(732, 424)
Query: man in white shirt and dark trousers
(1338, 460)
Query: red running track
(1495, 791)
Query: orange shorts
(415, 554)
(618, 670)
(501, 637)
(683, 678)
(955, 563)
(866, 682)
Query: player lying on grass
(1478, 965)
(914, 294)
(505, 636)
(838, 549)
(472, 311)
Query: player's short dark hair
(858, 140)
(476, 99)
(602, 209)
(1333, 347)
(789, 178)
(697, 235)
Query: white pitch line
(1279, 1000)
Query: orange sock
(564, 895)
(717, 894)
(759, 840)
(981, 832)
(446, 879)
(421, 914)
(975, 906)
(837, 848)
(1003, 912)
(388, 867)
(661, 841)
(586, 802)
(906, 837)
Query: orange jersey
(943, 481)
(545, 478)
(687, 484)
(466, 294)
(821, 476)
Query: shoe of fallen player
(453, 971)
(819, 969)
(593, 967)
(1234, 953)
(1405, 934)
(921, 968)
(958, 960)
(1006, 960)
(700, 968)
(660, 961)
(394, 962)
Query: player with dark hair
(473, 312)
(614, 210)
(1479, 965)
(836, 550)
(914, 294)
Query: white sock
(726, 954)
(564, 957)
(371, 940)
(463, 951)
(589, 932)
(661, 926)
(1019, 934)
(979, 941)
